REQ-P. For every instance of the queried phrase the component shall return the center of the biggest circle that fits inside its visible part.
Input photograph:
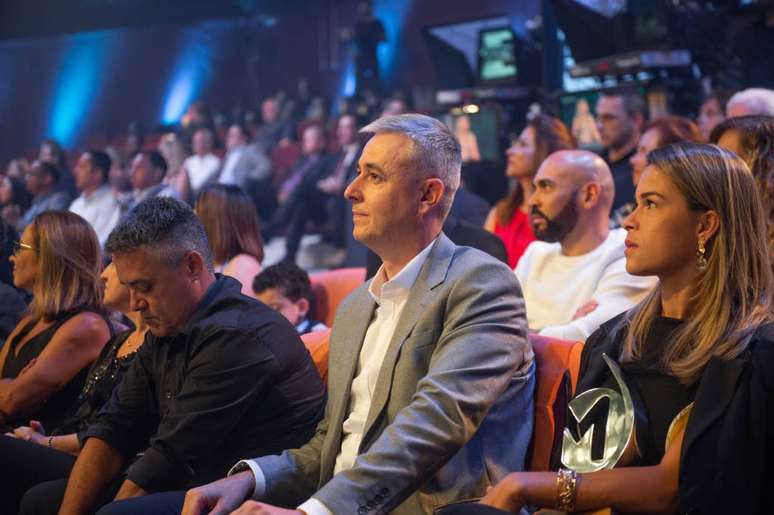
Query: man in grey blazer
(431, 377)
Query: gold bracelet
(566, 483)
(51, 441)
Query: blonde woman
(231, 222)
(43, 364)
(697, 354)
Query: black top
(60, 404)
(728, 446)
(658, 397)
(104, 376)
(236, 381)
(622, 177)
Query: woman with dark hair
(13, 195)
(658, 133)
(752, 139)
(229, 217)
(30, 455)
(44, 362)
(687, 372)
(542, 136)
(712, 112)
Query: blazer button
(167, 395)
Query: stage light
(77, 85)
(470, 109)
(393, 14)
(189, 76)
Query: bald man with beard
(574, 278)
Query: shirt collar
(381, 288)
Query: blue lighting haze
(393, 14)
(189, 77)
(77, 85)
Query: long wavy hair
(69, 261)
(551, 134)
(733, 296)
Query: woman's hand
(505, 495)
(32, 433)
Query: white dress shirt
(201, 169)
(227, 175)
(390, 297)
(100, 208)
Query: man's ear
(591, 193)
(303, 307)
(431, 195)
(194, 264)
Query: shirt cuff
(314, 507)
(258, 476)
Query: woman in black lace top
(29, 455)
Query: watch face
(577, 454)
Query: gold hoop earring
(701, 259)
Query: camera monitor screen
(497, 54)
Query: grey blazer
(452, 410)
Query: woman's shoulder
(85, 325)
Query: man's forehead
(386, 148)
(138, 264)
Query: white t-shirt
(101, 209)
(555, 286)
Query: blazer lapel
(348, 344)
(432, 274)
(712, 397)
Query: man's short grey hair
(759, 100)
(436, 151)
(165, 226)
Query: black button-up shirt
(235, 381)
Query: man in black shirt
(220, 374)
(620, 117)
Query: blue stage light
(77, 84)
(193, 68)
(393, 14)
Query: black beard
(559, 226)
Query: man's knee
(43, 499)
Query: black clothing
(469, 207)
(235, 381)
(658, 397)
(729, 440)
(25, 464)
(622, 177)
(12, 307)
(59, 406)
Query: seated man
(146, 174)
(575, 277)
(96, 203)
(285, 287)
(41, 181)
(220, 374)
(751, 101)
(431, 376)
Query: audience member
(620, 117)
(17, 168)
(172, 148)
(221, 374)
(712, 112)
(96, 203)
(697, 350)
(542, 136)
(394, 107)
(285, 287)
(752, 101)
(38, 454)
(467, 138)
(344, 170)
(147, 173)
(244, 161)
(14, 197)
(658, 133)
(44, 362)
(41, 182)
(231, 224)
(575, 278)
(52, 152)
(300, 200)
(8, 239)
(12, 303)
(431, 392)
(203, 166)
(274, 130)
(752, 139)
